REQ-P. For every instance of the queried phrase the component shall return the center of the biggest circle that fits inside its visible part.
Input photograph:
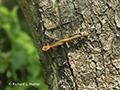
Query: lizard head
(45, 48)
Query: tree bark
(91, 63)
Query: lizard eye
(45, 48)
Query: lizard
(60, 42)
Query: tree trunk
(92, 62)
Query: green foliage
(18, 55)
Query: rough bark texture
(90, 63)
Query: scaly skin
(60, 42)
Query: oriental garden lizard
(60, 42)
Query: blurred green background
(19, 60)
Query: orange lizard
(60, 42)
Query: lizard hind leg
(68, 46)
